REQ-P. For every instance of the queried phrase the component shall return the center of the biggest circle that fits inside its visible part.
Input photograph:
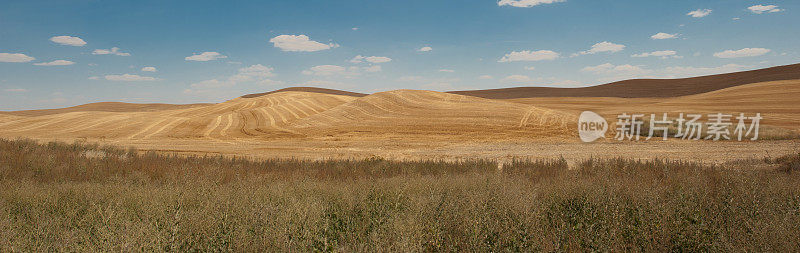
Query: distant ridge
(309, 89)
(644, 88)
(104, 107)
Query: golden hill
(775, 100)
(292, 114)
(239, 117)
(413, 113)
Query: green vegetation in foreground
(77, 197)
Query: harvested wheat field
(410, 124)
(315, 123)
(775, 100)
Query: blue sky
(61, 53)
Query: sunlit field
(84, 197)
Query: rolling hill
(314, 122)
(308, 89)
(647, 88)
(294, 114)
(104, 107)
(775, 100)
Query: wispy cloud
(699, 13)
(205, 56)
(761, 9)
(55, 63)
(68, 41)
(604, 46)
(129, 78)
(112, 51)
(664, 36)
(663, 54)
(299, 43)
(15, 57)
(526, 55)
(526, 3)
(744, 52)
(370, 59)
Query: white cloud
(516, 79)
(612, 72)
(699, 13)
(378, 59)
(113, 50)
(663, 36)
(604, 46)
(55, 63)
(357, 59)
(15, 90)
(68, 40)
(370, 59)
(759, 9)
(253, 72)
(425, 49)
(372, 69)
(447, 70)
(736, 18)
(526, 3)
(680, 72)
(485, 77)
(526, 55)
(336, 70)
(129, 78)
(299, 43)
(663, 54)
(94, 78)
(149, 69)
(205, 56)
(354, 28)
(326, 70)
(257, 70)
(530, 68)
(744, 52)
(8, 57)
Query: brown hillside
(644, 88)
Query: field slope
(644, 88)
(293, 114)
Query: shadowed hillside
(643, 88)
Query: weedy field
(84, 197)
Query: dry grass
(77, 197)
